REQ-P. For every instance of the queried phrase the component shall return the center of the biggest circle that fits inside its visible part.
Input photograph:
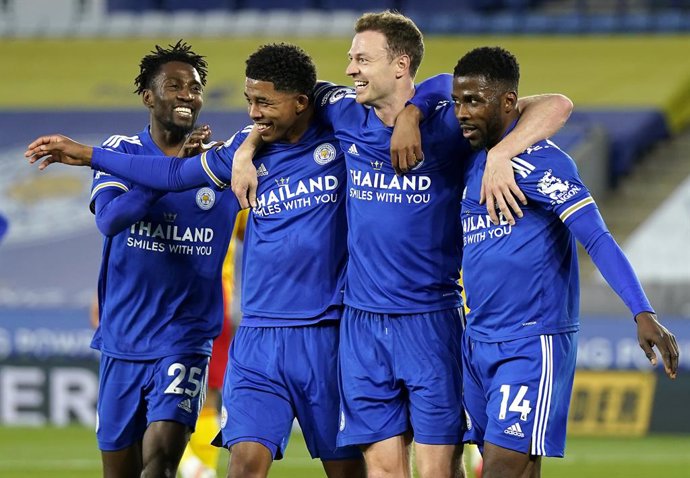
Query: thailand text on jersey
(522, 280)
(159, 285)
(404, 231)
(295, 245)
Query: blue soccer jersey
(295, 245)
(522, 280)
(404, 232)
(159, 285)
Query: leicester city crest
(324, 153)
(205, 198)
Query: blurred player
(3, 226)
(160, 297)
(519, 349)
(200, 458)
(400, 369)
(283, 358)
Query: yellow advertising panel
(611, 403)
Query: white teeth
(261, 127)
(360, 84)
(183, 111)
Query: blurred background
(69, 65)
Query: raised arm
(244, 179)
(406, 140)
(541, 117)
(157, 172)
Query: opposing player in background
(519, 349)
(200, 458)
(283, 358)
(160, 296)
(3, 226)
(400, 369)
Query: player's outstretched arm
(650, 334)
(58, 149)
(244, 178)
(541, 117)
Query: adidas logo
(262, 171)
(353, 150)
(185, 405)
(514, 430)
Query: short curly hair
(287, 66)
(150, 65)
(493, 63)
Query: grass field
(71, 453)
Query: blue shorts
(517, 393)
(400, 372)
(134, 394)
(277, 374)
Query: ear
(510, 100)
(302, 103)
(402, 64)
(147, 98)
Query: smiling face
(175, 97)
(373, 71)
(278, 115)
(483, 110)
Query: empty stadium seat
(292, 5)
(132, 5)
(197, 5)
(358, 5)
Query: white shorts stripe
(549, 339)
(541, 417)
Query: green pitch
(72, 453)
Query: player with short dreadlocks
(159, 290)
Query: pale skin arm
(541, 117)
(58, 149)
(244, 179)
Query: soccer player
(3, 226)
(200, 458)
(283, 358)
(159, 291)
(520, 342)
(400, 359)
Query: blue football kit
(160, 297)
(283, 358)
(522, 286)
(405, 246)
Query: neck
(300, 127)
(388, 109)
(507, 122)
(169, 141)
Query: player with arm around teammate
(396, 382)
(520, 343)
(159, 290)
(283, 358)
